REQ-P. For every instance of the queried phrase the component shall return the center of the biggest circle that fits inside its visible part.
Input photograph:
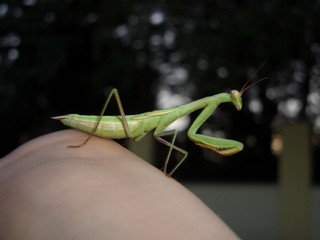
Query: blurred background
(59, 57)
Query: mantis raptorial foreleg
(219, 145)
(114, 93)
(158, 135)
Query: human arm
(97, 191)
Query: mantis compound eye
(236, 99)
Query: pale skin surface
(97, 191)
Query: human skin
(97, 191)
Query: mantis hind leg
(171, 145)
(114, 92)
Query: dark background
(63, 56)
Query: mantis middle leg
(159, 134)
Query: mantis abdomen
(110, 126)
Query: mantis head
(236, 95)
(236, 99)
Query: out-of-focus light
(13, 54)
(169, 38)
(91, 18)
(167, 99)
(291, 107)
(156, 40)
(3, 9)
(180, 124)
(157, 17)
(10, 40)
(50, 17)
(29, 2)
(276, 144)
(121, 31)
(255, 106)
(173, 75)
(222, 72)
(202, 64)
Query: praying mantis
(138, 125)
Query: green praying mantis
(138, 125)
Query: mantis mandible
(138, 125)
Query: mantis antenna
(246, 86)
